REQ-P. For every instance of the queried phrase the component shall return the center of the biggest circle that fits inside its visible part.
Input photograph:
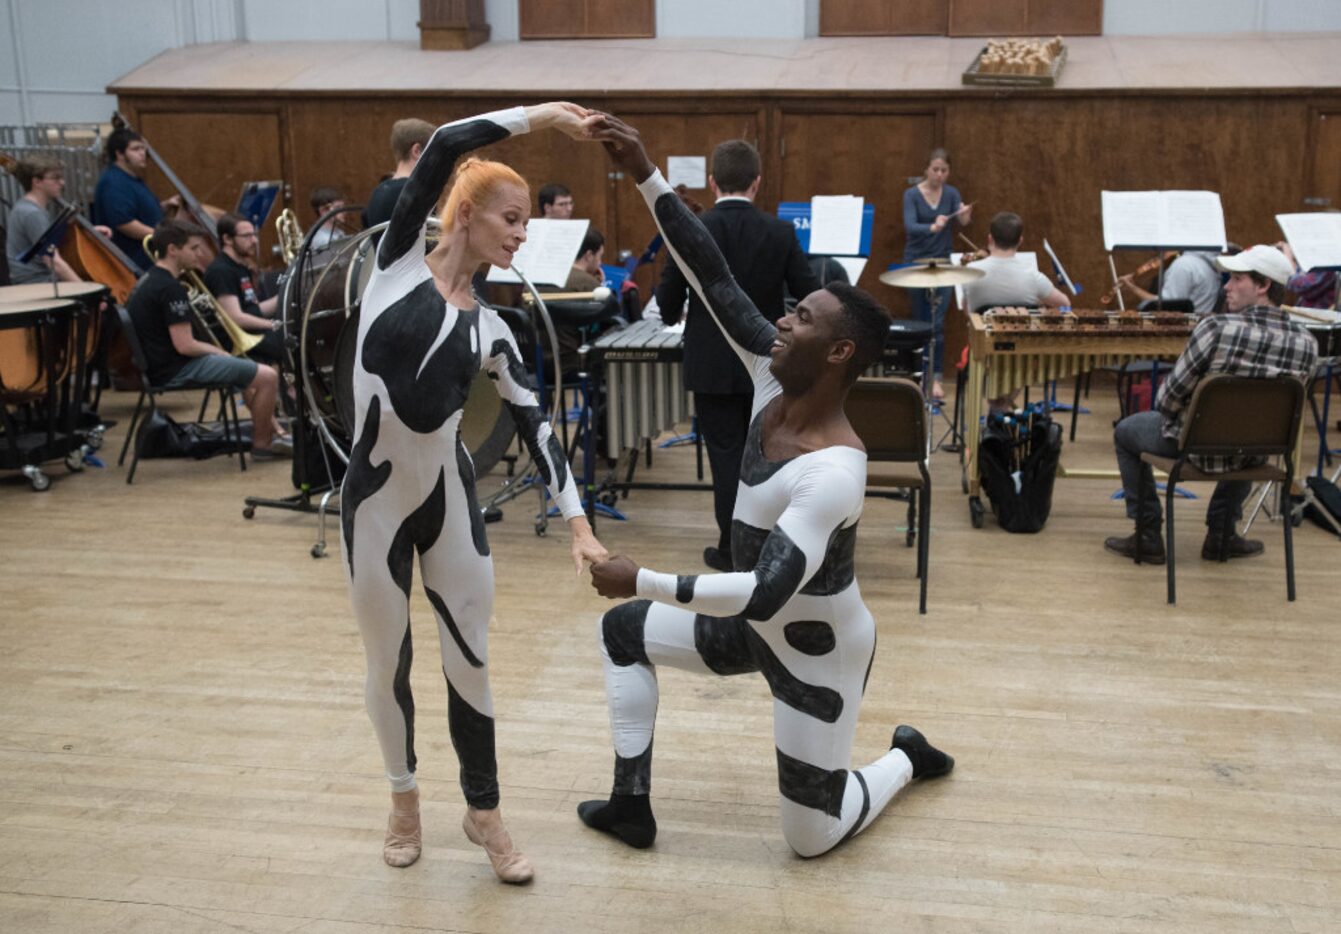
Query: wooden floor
(183, 745)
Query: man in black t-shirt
(408, 139)
(161, 312)
(229, 279)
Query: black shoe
(717, 559)
(1218, 548)
(1151, 545)
(628, 817)
(927, 760)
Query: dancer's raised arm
(747, 331)
(448, 144)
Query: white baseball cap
(1262, 259)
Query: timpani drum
(90, 295)
(26, 331)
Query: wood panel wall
(961, 17)
(883, 18)
(1045, 156)
(587, 19)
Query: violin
(975, 252)
(1144, 269)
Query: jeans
(1143, 432)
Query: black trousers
(724, 421)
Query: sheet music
(1131, 218)
(1061, 270)
(1315, 239)
(1154, 219)
(547, 255)
(853, 265)
(1194, 219)
(689, 171)
(835, 224)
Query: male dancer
(796, 614)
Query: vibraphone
(644, 387)
(1012, 348)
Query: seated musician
(1008, 282)
(43, 180)
(585, 275)
(555, 201)
(123, 201)
(408, 139)
(1193, 276)
(1312, 289)
(324, 200)
(229, 279)
(1252, 337)
(161, 312)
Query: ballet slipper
(404, 834)
(509, 863)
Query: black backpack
(1032, 451)
(1328, 497)
(164, 437)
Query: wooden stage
(184, 746)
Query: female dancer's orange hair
(477, 181)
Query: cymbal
(933, 275)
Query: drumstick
(972, 246)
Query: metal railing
(77, 145)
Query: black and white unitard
(411, 485)
(792, 611)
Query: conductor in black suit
(764, 256)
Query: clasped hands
(621, 141)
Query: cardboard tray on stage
(972, 74)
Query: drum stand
(936, 407)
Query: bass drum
(327, 288)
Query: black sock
(628, 817)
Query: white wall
(56, 56)
(1168, 17)
(737, 19)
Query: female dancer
(930, 209)
(410, 487)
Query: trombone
(204, 306)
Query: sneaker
(268, 454)
(1151, 547)
(717, 559)
(1218, 548)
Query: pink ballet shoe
(404, 834)
(508, 862)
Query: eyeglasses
(244, 236)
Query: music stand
(49, 242)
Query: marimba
(1012, 348)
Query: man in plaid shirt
(1252, 337)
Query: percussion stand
(301, 501)
(936, 407)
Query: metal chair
(1236, 416)
(148, 391)
(890, 417)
